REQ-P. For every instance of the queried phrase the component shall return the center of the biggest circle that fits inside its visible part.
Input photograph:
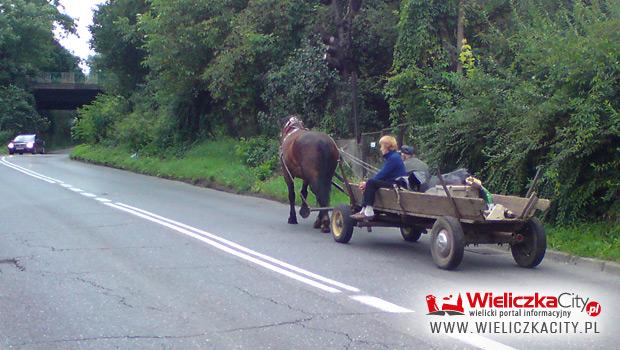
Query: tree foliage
(534, 86)
(118, 42)
(544, 94)
(27, 48)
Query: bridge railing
(68, 78)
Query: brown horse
(312, 157)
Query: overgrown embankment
(224, 165)
(211, 164)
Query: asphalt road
(98, 258)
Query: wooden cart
(455, 217)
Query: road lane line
(380, 304)
(10, 165)
(34, 172)
(31, 171)
(89, 195)
(247, 250)
(480, 342)
(230, 250)
(227, 246)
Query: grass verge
(214, 164)
(211, 164)
(597, 240)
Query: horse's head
(291, 123)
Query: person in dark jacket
(411, 160)
(393, 167)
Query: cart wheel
(341, 224)
(531, 251)
(411, 233)
(447, 242)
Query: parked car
(26, 143)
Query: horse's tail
(327, 168)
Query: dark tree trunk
(460, 35)
(356, 126)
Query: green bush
(95, 121)
(543, 94)
(263, 171)
(5, 137)
(256, 151)
(18, 113)
(135, 131)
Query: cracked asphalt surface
(77, 274)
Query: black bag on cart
(420, 181)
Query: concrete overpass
(64, 91)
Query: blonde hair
(389, 142)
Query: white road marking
(12, 166)
(247, 250)
(89, 195)
(380, 304)
(227, 246)
(30, 171)
(480, 342)
(230, 250)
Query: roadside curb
(589, 263)
(593, 264)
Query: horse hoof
(317, 225)
(304, 212)
(325, 230)
(292, 221)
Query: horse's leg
(292, 218)
(324, 190)
(315, 189)
(321, 191)
(304, 200)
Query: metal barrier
(68, 78)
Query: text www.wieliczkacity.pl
(514, 327)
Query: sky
(82, 12)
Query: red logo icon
(593, 308)
(447, 307)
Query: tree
(27, 48)
(339, 52)
(26, 40)
(118, 41)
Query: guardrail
(67, 78)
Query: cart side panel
(421, 204)
(517, 204)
